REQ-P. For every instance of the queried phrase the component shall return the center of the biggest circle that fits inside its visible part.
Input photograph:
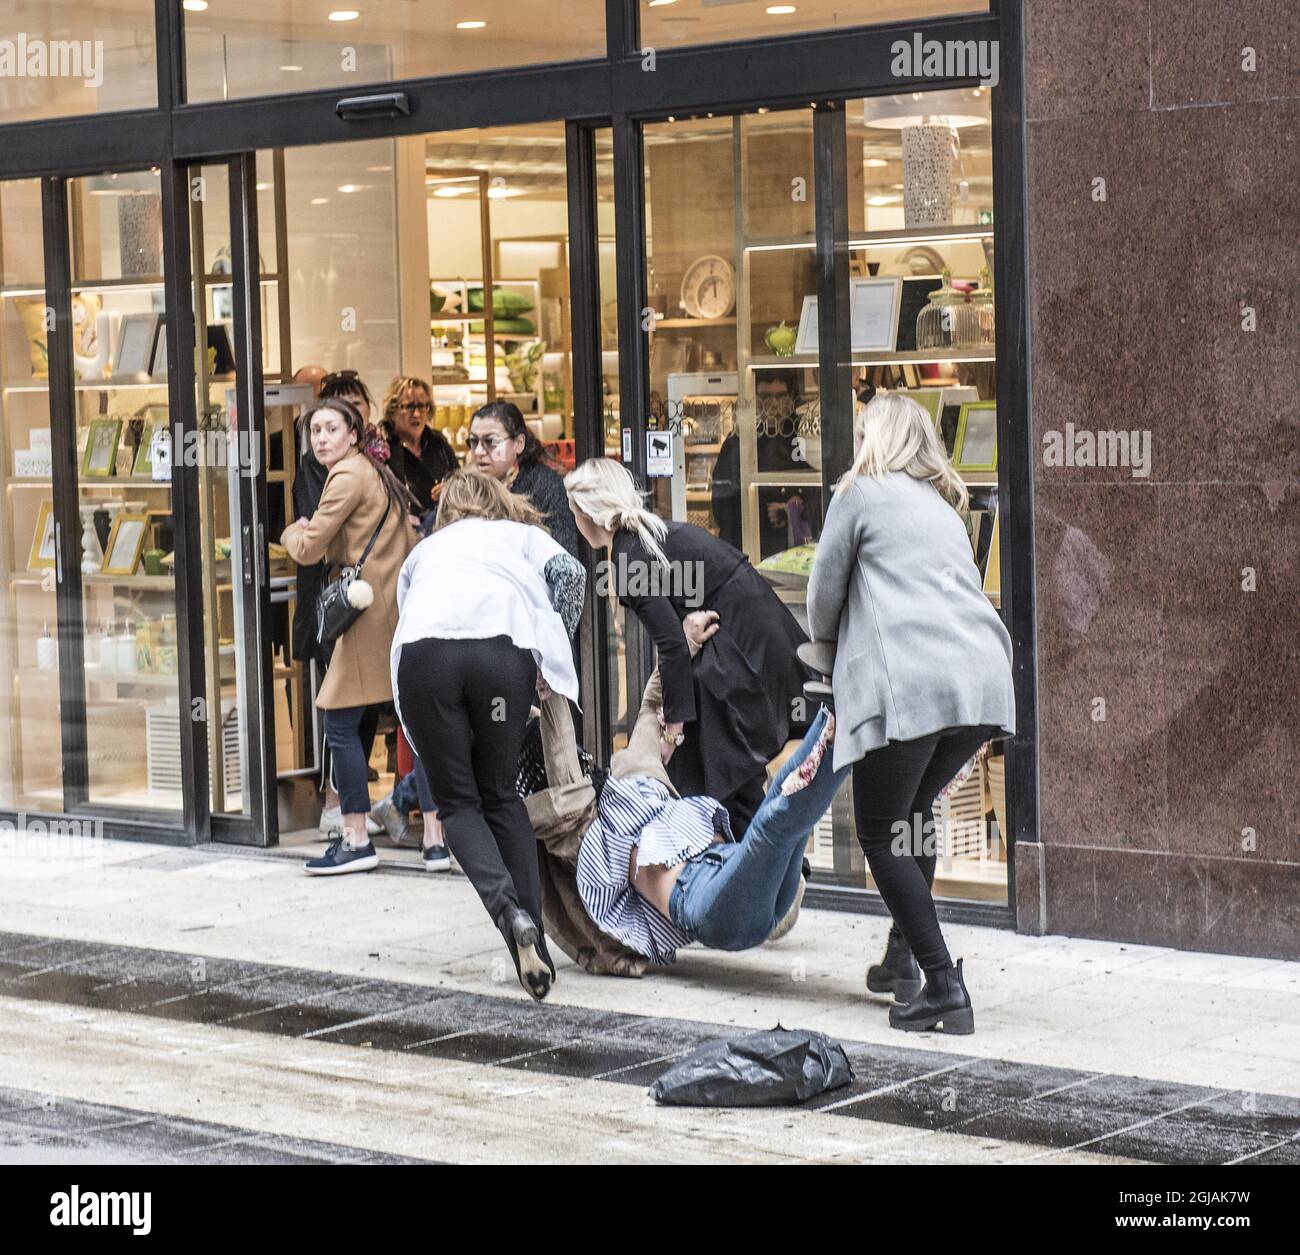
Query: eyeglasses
(489, 443)
(415, 407)
(340, 376)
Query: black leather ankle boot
(943, 1002)
(523, 938)
(897, 972)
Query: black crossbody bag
(335, 613)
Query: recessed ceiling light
(501, 193)
(472, 25)
(320, 200)
(351, 187)
(344, 15)
(654, 4)
(875, 162)
(263, 187)
(291, 69)
(195, 6)
(447, 192)
(881, 200)
(779, 10)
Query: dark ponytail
(508, 415)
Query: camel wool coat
(351, 506)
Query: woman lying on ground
(658, 871)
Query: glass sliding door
(127, 717)
(31, 757)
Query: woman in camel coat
(358, 491)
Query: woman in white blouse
(484, 605)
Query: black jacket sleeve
(660, 619)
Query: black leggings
(894, 789)
(465, 705)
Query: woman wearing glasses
(504, 449)
(418, 455)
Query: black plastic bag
(767, 1069)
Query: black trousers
(893, 804)
(465, 704)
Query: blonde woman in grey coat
(922, 678)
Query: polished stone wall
(1168, 603)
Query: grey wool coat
(919, 647)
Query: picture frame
(99, 461)
(125, 543)
(873, 315)
(135, 346)
(155, 418)
(42, 556)
(158, 364)
(993, 564)
(975, 450)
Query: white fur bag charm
(360, 594)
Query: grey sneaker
(391, 820)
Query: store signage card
(32, 464)
(659, 454)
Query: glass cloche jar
(982, 302)
(940, 324)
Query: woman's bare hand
(699, 625)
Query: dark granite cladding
(1183, 901)
(1197, 51)
(1029, 888)
(1085, 58)
(1136, 300)
(1035, 1106)
(1137, 311)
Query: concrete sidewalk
(1119, 1011)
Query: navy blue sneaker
(338, 859)
(436, 858)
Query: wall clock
(709, 288)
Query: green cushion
(507, 326)
(505, 304)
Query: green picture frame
(975, 450)
(155, 417)
(99, 461)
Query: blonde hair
(606, 493)
(899, 435)
(392, 398)
(469, 494)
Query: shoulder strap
(366, 552)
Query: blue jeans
(731, 897)
(350, 768)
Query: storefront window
(59, 58)
(668, 22)
(921, 240)
(261, 49)
(124, 492)
(31, 753)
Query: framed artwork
(928, 399)
(42, 555)
(976, 447)
(916, 295)
(158, 366)
(125, 544)
(155, 422)
(100, 457)
(873, 315)
(135, 345)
